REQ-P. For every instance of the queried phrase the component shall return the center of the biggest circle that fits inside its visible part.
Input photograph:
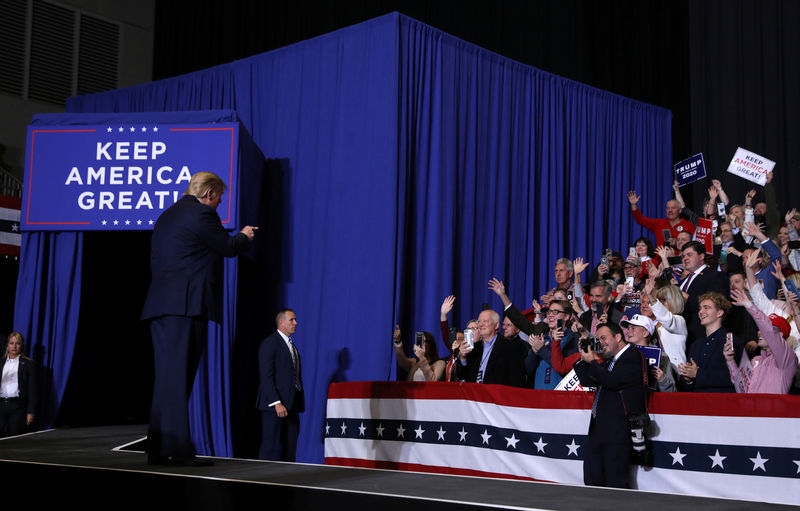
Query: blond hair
(203, 182)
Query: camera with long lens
(592, 343)
(642, 453)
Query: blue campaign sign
(121, 176)
(690, 170)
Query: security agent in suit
(18, 391)
(496, 359)
(621, 379)
(186, 252)
(280, 393)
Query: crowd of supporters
(724, 319)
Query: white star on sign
(758, 462)
(486, 436)
(116, 222)
(380, 429)
(361, 429)
(511, 442)
(150, 222)
(400, 431)
(138, 222)
(133, 129)
(716, 459)
(462, 435)
(677, 456)
(127, 222)
(419, 431)
(155, 128)
(327, 428)
(573, 448)
(539, 445)
(144, 129)
(120, 129)
(108, 130)
(344, 427)
(104, 222)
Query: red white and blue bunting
(732, 446)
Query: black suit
(506, 364)
(13, 413)
(706, 281)
(621, 391)
(186, 251)
(280, 378)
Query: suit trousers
(607, 463)
(178, 344)
(279, 435)
(12, 417)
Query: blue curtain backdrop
(411, 165)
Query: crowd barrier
(717, 445)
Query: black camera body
(592, 343)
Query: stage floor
(64, 457)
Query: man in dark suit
(621, 380)
(698, 279)
(280, 393)
(496, 359)
(186, 251)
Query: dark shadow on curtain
(111, 378)
(260, 296)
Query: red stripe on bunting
(415, 467)
(677, 403)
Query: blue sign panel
(121, 177)
(690, 170)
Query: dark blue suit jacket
(623, 392)
(188, 240)
(277, 375)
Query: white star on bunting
(573, 448)
(716, 460)
(441, 433)
(677, 456)
(512, 441)
(758, 462)
(539, 445)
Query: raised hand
(749, 195)
(717, 184)
(579, 266)
(752, 259)
(790, 215)
(739, 297)
(396, 334)
(536, 342)
(633, 198)
(497, 286)
(447, 306)
(712, 194)
(777, 271)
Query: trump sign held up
(120, 177)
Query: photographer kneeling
(619, 372)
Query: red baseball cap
(781, 323)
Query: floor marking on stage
(306, 487)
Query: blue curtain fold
(408, 164)
(47, 308)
